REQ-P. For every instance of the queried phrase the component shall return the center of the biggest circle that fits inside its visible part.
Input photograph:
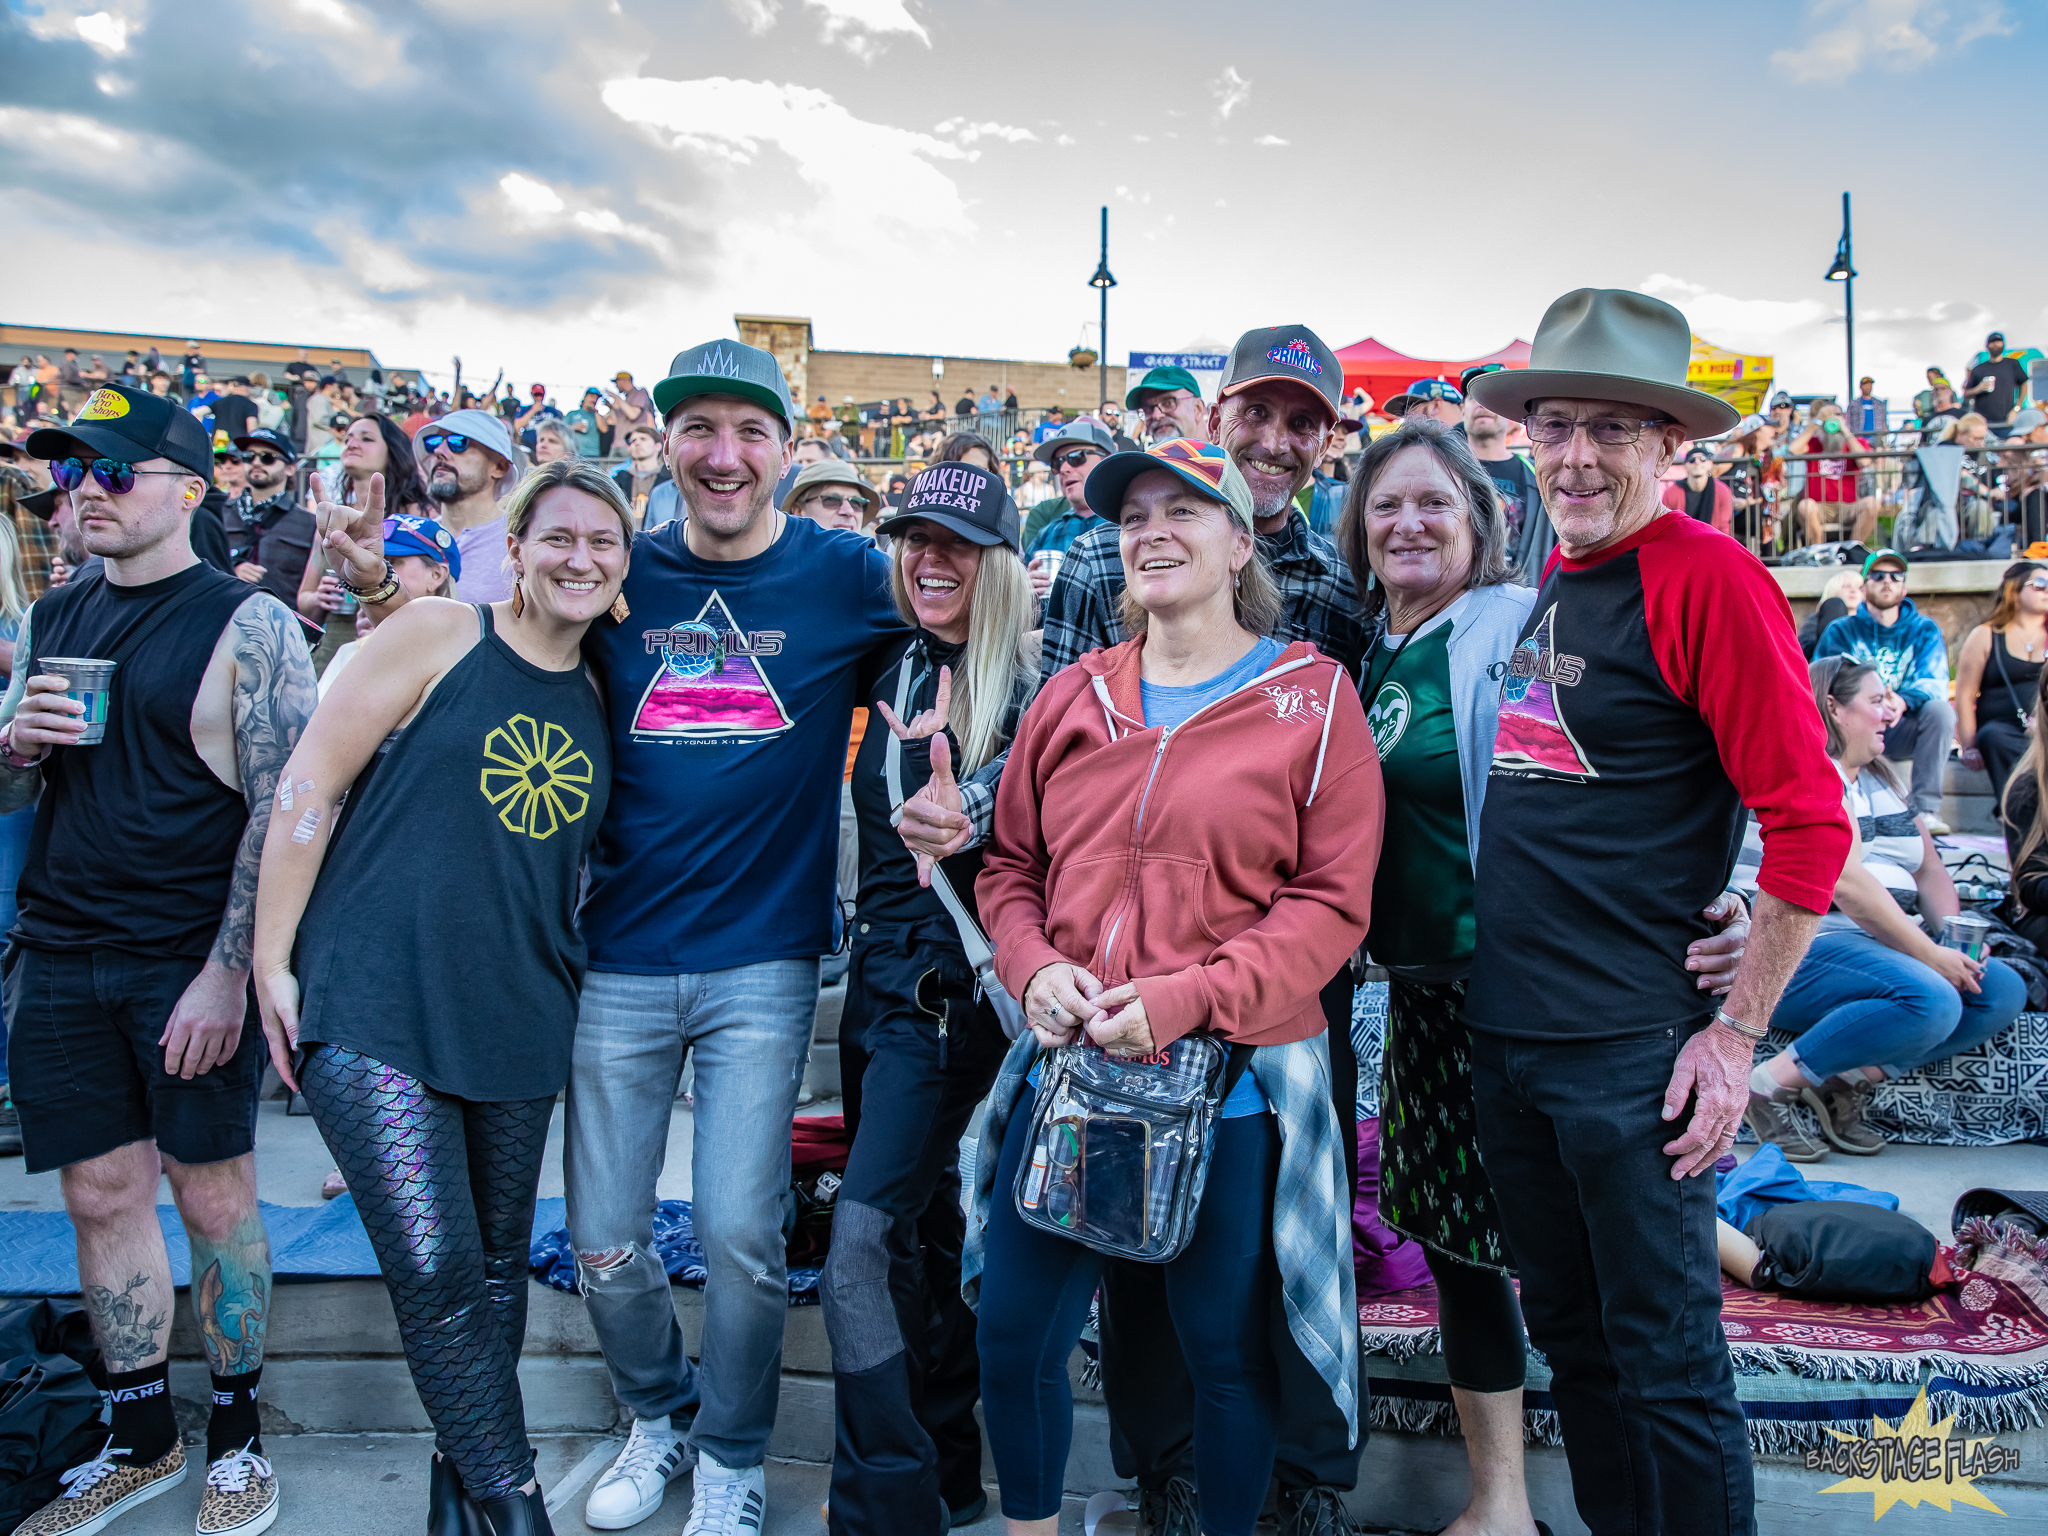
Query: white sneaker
(632, 1488)
(726, 1502)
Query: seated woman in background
(1875, 997)
(2021, 811)
(1842, 596)
(1999, 672)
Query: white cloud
(331, 14)
(838, 155)
(536, 199)
(1064, 140)
(861, 26)
(111, 84)
(1897, 35)
(757, 16)
(1270, 141)
(104, 30)
(1231, 91)
(964, 132)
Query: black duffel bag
(49, 1405)
(1842, 1250)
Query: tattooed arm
(273, 697)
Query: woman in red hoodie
(1184, 840)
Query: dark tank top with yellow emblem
(441, 936)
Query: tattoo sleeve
(18, 790)
(275, 693)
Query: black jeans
(1621, 1288)
(1145, 1381)
(904, 1364)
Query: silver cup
(1967, 932)
(91, 682)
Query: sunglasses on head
(112, 474)
(1074, 458)
(455, 440)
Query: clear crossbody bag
(1119, 1146)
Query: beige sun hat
(1609, 344)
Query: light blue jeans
(1854, 1002)
(747, 1030)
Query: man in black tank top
(128, 977)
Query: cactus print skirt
(1431, 1185)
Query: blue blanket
(1768, 1179)
(675, 1244)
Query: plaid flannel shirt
(1318, 602)
(1311, 1213)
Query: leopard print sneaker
(240, 1497)
(102, 1490)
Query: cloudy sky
(566, 188)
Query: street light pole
(1103, 282)
(1844, 272)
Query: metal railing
(1803, 504)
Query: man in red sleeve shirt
(1657, 690)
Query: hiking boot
(1775, 1123)
(1843, 1108)
(633, 1486)
(103, 1489)
(1168, 1511)
(1313, 1512)
(240, 1497)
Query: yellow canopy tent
(1744, 382)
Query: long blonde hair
(998, 662)
(2033, 764)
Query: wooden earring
(518, 599)
(618, 610)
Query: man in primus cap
(1656, 692)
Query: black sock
(144, 1425)
(233, 1424)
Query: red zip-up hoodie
(1225, 866)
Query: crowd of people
(478, 775)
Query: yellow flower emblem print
(540, 780)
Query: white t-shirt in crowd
(1892, 847)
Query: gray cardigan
(1486, 623)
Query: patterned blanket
(1981, 1350)
(1987, 1096)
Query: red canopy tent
(1382, 372)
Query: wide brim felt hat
(1609, 344)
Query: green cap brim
(672, 392)
(1870, 561)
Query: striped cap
(1204, 466)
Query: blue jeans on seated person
(1854, 1002)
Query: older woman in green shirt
(1424, 536)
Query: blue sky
(562, 190)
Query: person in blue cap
(427, 562)
(1438, 399)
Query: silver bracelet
(1747, 1031)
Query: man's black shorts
(86, 1072)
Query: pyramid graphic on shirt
(707, 688)
(1533, 736)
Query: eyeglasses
(455, 440)
(1886, 576)
(266, 458)
(1160, 405)
(1605, 431)
(1074, 458)
(2039, 583)
(112, 474)
(832, 501)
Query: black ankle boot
(450, 1509)
(517, 1514)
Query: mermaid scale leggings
(445, 1187)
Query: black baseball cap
(271, 438)
(130, 425)
(964, 498)
(1291, 352)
